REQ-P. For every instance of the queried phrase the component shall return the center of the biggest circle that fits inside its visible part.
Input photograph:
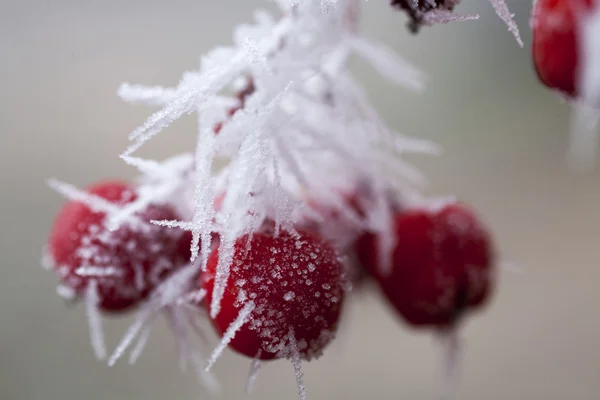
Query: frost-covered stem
(450, 347)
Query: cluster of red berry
(285, 287)
(276, 290)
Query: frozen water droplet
(66, 292)
(289, 296)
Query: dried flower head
(432, 12)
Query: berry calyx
(289, 284)
(442, 265)
(125, 264)
(416, 10)
(556, 48)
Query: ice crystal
(508, 18)
(450, 343)
(297, 364)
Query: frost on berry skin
(443, 265)
(125, 264)
(293, 282)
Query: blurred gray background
(505, 139)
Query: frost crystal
(506, 16)
(450, 343)
(95, 323)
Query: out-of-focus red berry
(556, 48)
(442, 265)
(129, 262)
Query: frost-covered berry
(284, 294)
(124, 264)
(442, 265)
(557, 30)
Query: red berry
(557, 42)
(295, 283)
(140, 256)
(442, 265)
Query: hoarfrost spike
(140, 345)
(297, 363)
(255, 367)
(229, 334)
(450, 363)
(505, 15)
(132, 332)
(92, 300)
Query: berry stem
(450, 343)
